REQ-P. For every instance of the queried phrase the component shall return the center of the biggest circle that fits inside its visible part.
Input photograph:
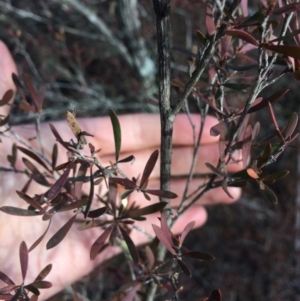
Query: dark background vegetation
(59, 48)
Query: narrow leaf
(215, 296)
(186, 231)
(247, 140)
(289, 8)
(163, 239)
(290, 128)
(91, 194)
(269, 194)
(130, 158)
(198, 255)
(215, 170)
(146, 210)
(41, 284)
(162, 193)
(18, 211)
(6, 279)
(37, 242)
(43, 274)
(5, 120)
(36, 174)
(59, 184)
(288, 50)
(131, 246)
(8, 95)
(235, 86)
(33, 156)
(264, 102)
(117, 132)
(60, 234)
(241, 34)
(32, 289)
(225, 188)
(275, 176)
(30, 201)
(97, 212)
(99, 243)
(150, 257)
(33, 94)
(124, 182)
(149, 168)
(185, 269)
(23, 259)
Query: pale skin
(141, 136)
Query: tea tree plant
(236, 59)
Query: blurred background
(100, 54)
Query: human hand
(141, 135)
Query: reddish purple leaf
(43, 274)
(5, 120)
(185, 269)
(289, 8)
(290, 128)
(146, 210)
(269, 194)
(6, 297)
(99, 243)
(56, 135)
(97, 212)
(147, 197)
(166, 230)
(214, 170)
(33, 156)
(288, 50)
(149, 168)
(54, 156)
(6, 279)
(60, 234)
(59, 184)
(162, 193)
(8, 95)
(32, 289)
(33, 94)
(91, 194)
(130, 158)
(18, 211)
(80, 174)
(163, 239)
(198, 255)
(150, 257)
(186, 231)
(131, 246)
(225, 188)
(219, 128)
(215, 296)
(70, 206)
(275, 176)
(241, 34)
(36, 243)
(36, 174)
(41, 284)
(30, 201)
(131, 293)
(23, 252)
(129, 184)
(247, 141)
(264, 102)
(17, 295)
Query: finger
(181, 161)
(141, 131)
(7, 67)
